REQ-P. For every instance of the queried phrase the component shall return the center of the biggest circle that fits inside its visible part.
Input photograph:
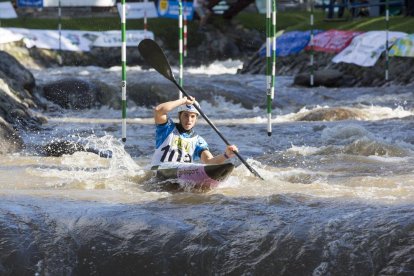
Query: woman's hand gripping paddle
(155, 57)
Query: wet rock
(9, 139)
(19, 51)
(14, 108)
(219, 46)
(327, 78)
(400, 69)
(72, 93)
(108, 94)
(58, 148)
(21, 78)
(143, 90)
(289, 65)
(330, 114)
(366, 147)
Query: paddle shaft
(217, 131)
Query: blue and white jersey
(173, 146)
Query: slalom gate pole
(268, 63)
(60, 33)
(180, 45)
(387, 27)
(271, 93)
(185, 33)
(312, 68)
(270, 59)
(123, 60)
(145, 19)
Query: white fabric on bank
(7, 36)
(114, 39)
(49, 39)
(365, 49)
(7, 10)
(71, 40)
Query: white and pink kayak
(193, 175)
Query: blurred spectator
(340, 4)
(359, 11)
(409, 7)
(200, 7)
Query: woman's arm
(161, 110)
(208, 158)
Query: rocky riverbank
(16, 103)
(329, 74)
(231, 42)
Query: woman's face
(188, 119)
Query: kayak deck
(193, 175)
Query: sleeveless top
(175, 144)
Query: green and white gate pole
(180, 45)
(185, 30)
(123, 60)
(60, 33)
(312, 69)
(145, 19)
(270, 59)
(387, 23)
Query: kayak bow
(193, 175)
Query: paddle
(155, 57)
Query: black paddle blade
(155, 57)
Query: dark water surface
(338, 196)
(277, 235)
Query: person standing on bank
(178, 142)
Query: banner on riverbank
(332, 41)
(365, 49)
(72, 40)
(79, 3)
(169, 9)
(113, 38)
(403, 47)
(138, 10)
(49, 39)
(290, 43)
(7, 10)
(30, 3)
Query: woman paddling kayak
(178, 142)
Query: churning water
(338, 195)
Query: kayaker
(178, 142)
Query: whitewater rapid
(337, 197)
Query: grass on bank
(286, 20)
(299, 20)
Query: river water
(338, 196)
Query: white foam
(303, 150)
(375, 113)
(217, 68)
